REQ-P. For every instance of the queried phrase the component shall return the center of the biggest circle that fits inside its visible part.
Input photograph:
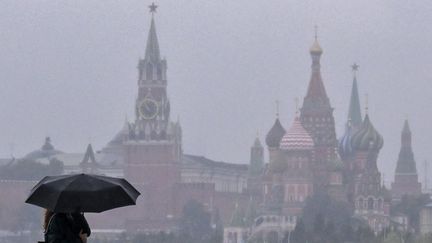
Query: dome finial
(277, 108)
(316, 32)
(316, 48)
(297, 109)
(367, 103)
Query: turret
(406, 178)
(256, 166)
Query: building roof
(297, 138)
(189, 159)
(46, 151)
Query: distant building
(426, 219)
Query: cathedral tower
(406, 178)
(317, 117)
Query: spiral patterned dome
(367, 138)
(275, 135)
(297, 138)
(345, 147)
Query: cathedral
(262, 197)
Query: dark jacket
(64, 229)
(80, 223)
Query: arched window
(149, 71)
(159, 72)
(360, 203)
(370, 203)
(380, 203)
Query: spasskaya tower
(153, 149)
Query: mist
(68, 69)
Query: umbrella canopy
(82, 193)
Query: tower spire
(354, 111)
(152, 52)
(316, 94)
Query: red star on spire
(153, 8)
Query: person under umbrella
(66, 197)
(65, 227)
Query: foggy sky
(68, 69)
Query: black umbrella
(82, 193)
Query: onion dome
(275, 135)
(297, 138)
(367, 138)
(345, 147)
(316, 48)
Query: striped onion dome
(297, 138)
(345, 147)
(367, 138)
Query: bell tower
(317, 117)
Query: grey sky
(68, 69)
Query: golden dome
(316, 48)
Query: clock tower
(152, 107)
(153, 148)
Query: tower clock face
(148, 109)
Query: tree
(411, 206)
(323, 206)
(393, 237)
(195, 223)
(299, 233)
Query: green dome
(367, 138)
